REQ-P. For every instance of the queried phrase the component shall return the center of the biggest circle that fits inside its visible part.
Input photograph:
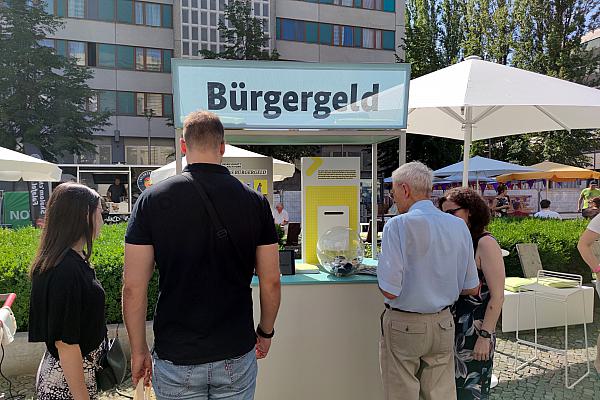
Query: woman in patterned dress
(475, 317)
(67, 302)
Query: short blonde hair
(202, 130)
(416, 175)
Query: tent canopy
(458, 178)
(281, 169)
(15, 166)
(553, 172)
(482, 167)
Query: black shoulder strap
(221, 231)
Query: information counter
(326, 343)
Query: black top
(67, 303)
(116, 192)
(204, 309)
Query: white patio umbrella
(481, 167)
(15, 166)
(281, 169)
(476, 99)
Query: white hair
(416, 175)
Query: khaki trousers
(416, 356)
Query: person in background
(281, 217)
(586, 195)
(426, 263)
(586, 241)
(518, 210)
(545, 211)
(502, 202)
(475, 336)
(66, 309)
(206, 345)
(116, 191)
(593, 209)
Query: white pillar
(467, 150)
(178, 168)
(402, 148)
(374, 200)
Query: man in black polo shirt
(205, 344)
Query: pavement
(542, 380)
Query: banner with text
(293, 95)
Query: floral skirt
(51, 383)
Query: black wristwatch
(485, 334)
(263, 334)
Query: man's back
(204, 311)
(432, 251)
(544, 213)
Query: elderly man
(281, 217)
(426, 262)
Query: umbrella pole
(467, 148)
(402, 148)
(374, 215)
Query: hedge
(557, 242)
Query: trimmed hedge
(557, 242)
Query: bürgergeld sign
(291, 95)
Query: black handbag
(112, 366)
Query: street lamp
(149, 113)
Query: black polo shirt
(204, 309)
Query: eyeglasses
(454, 210)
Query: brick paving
(542, 380)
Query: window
(194, 3)
(213, 5)
(154, 102)
(167, 16)
(213, 19)
(139, 13)
(266, 10)
(106, 10)
(153, 60)
(125, 11)
(194, 33)
(106, 55)
(139, 59)
(76, 9)
(185, 33)
(168, 105)
(152, 14)
(203, 18)
(194, 49)
(77, 51)
(368, 38)
(61, 8)
(204, 34)
(312, 33)
(61, 47)
(108, 101)
(92, 9)
(125, 57)
(102, 156)
(357, 37)
(125, 103)
(49, 7)
(167, 55)
(185, 48)
(46, 43)
(194, 17)
(389, 5)
(389, 40)
(347, 36)
(325, 33)
(92, 104)
(337, 35)
(140, 103)
(185, 16)
(292, 29)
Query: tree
(243, 34)
(44, 98)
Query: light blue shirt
(426, 259)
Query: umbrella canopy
(458, 178)
(482, 167)
(476, 99)
(553, 172)
(281, 169)
(15, 166)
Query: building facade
(129, 45)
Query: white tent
(15, 166)
(476, 99)
(281, 169)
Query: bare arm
(139, 266)
(580, 202)
(267, 269)
(584, 246)
(492, 265)
(71, 362)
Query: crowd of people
(441, 276)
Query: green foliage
(244, 38)
(43, 95)
(556, 240)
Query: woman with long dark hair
(501, 202)
(476, 316)
(66, 308)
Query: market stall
(286, 103)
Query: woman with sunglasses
(66, 308)
(475, 317)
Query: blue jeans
(233, 379)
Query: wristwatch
(263, 334)
(485, 334)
